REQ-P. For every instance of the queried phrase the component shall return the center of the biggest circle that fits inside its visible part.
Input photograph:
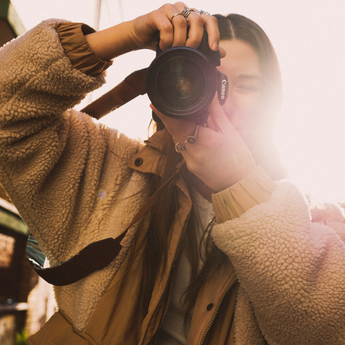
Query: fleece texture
(70, 180)
(66, 174)
(291, 271)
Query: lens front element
(181, 82)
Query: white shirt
(173, 330)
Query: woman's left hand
(220, 157)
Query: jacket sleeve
(51, 156)
(77, 49)
(291, 269)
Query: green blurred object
(21, 338)
(10, 24)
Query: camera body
(182, 81)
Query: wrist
(236, 200)
(242, 172)
(112, 42)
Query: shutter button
(139, 161)
(209, 307)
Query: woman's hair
(162, 215)
(235, 26)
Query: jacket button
(209, 307)
(139, 161)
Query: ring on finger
(192, 139)
(186, 12)
(176, 14)
(205, 12)
(179, 147)
(195, 11)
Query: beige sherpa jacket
(55, 161)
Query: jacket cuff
(77, 49)
(237, 199)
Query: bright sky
(308, 36)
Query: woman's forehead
(241, 58)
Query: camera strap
(131, 87)
(93, 257)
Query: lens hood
(182, 81)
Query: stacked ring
(176, 14)
(191, 139)
(179, 147)
(186, 12)
(195, 11)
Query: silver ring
(192, 139)
(201, 12)
(179, 147)
(186, 12)
(176, 14)
(195, 11)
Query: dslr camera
(182, 81)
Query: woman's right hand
(141, 32)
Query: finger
(180, 30)
(197, 22)
(172, 27)
(222, 52)
(218, 119)
(180, 25)
(211, 25)
(196, 30)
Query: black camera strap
(93, 257)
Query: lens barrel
(181, 82)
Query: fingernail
(215, 46)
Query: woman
(262, 273)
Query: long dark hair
(156, 243)
(235, 26)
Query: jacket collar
(147, 159)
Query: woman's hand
(142, 32)
(173, 28)
(220, 157)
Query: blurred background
(308, 37)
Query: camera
(182, 81)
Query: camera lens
(181, 81)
